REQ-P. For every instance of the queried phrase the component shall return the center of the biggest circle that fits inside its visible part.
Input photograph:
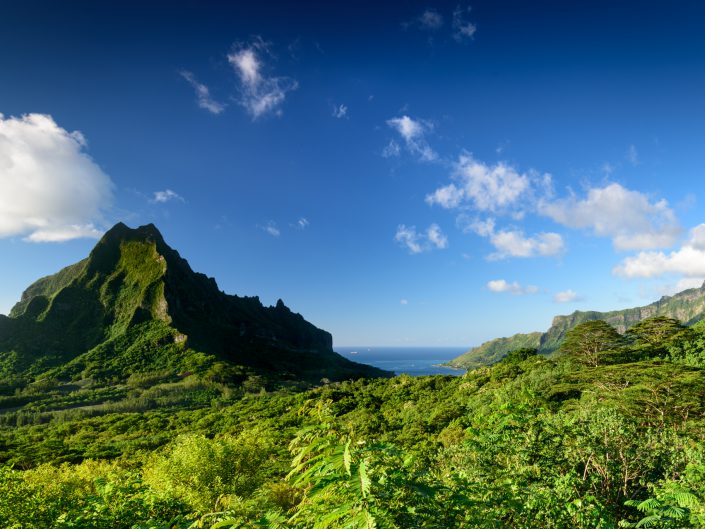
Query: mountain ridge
(688, 306)
(135, 296)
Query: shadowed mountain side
(135, 305)
(687, 306)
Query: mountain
(687, 306)
(134, 305)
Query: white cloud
(448, 197)
(566, 296)
(632, 155)
(261, 94)
(413, 132)
(407, 236)
(501, 286)
(403, 301)
(689, 282)
(513, 243)
(688, 260)
(436, 237)
(628, 217)
(483, 228)
(271, 228)
(203, 96)
(161, 197)
(340, 111)
(487, 187)
(64, 233)
(409, 129)
(417, 242)
(462, 28)
(302, 223)
(50, 189)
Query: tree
(586, 341)
(654, 332)
(519, 355)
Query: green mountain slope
(135, 306)
(494, 350)
(687, 306)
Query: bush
(208, 474)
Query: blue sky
(414, 174)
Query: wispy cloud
(50, 188)
(629, 218)
(502, 286)
(430, 19)
(302, 223)
(413, 133)
(271, 228)
(203, 96)
(503, 146)
(261, 94)
(340, 111)
(403, 301)
(392, 150)
(632, 155)
(418, 242)
(463, 29)
(161, 197)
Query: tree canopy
(654, 332)
(586, 341)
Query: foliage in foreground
(614, 440)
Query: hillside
(687, 306)
(134, 305)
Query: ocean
(415, 361)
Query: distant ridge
(687, 306)
(134, 305)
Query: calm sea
(414, 361)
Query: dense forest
(607, 432)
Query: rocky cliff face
(687, 306)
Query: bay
(414, 361)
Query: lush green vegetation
(594, 437)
